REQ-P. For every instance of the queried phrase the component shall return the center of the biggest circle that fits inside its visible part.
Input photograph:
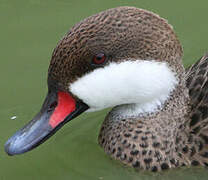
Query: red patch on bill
(66, 105)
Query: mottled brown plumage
(120, 33)
(177, 135)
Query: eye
(99, 59)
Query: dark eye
(99, 59)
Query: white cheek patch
(138, 82)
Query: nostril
(52, 106)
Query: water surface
(29, 31)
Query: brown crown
(119, 33)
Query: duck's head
(120, 56)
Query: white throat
(143, 85)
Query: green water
(29, 31)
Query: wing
(197, 83)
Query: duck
(129, 59)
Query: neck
(147, 139)
(138, 110)
(168, 104)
